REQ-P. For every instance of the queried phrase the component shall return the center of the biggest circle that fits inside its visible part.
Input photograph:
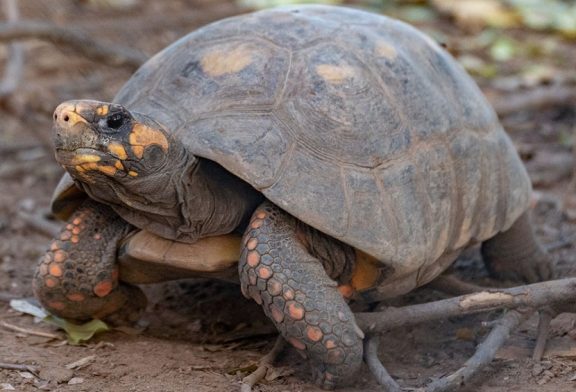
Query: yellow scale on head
(143, 136)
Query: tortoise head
(111, 151)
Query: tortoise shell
(357, 124)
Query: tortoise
(317, 154)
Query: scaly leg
(78, 277)
(295, 292)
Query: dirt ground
(202, 335)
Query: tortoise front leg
(295, 292)
(515, 254)
(78, 277)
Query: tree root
(265, 363)
(82, 43)
(535, 296)
(378, 370)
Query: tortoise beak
(74, 125)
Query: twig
(378, 370)
(21, 367)
(13, 70)
(40, 224)
(534, 296)
(82, 43)
(535, 99)
(484, 354)
(16, 328)
(545, 317)
(249, 381)
(450, 284)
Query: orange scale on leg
(76, 230)
(77, 221)
(56, 305)
(51, 282)
(314, 333)
(264, 272)
(297, 343)
(256, 223)
(55, 245)
(74, 239)
(69, 226)
(43, 269)
(252, 244)
(76, 297)
(253, 258)
(295, 310)
(103, 288)
(60, 256)
(55, 270)
(261, 215)
(65, 236)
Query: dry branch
(484, 354)
(74, 39)
(536, 98)
(450, 284)
(21, 367)
(534, 296)
(13, 71)
(378, 370)
(27, 331)
(249, 381)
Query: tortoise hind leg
(291, 285)
(77, 278)
(515, 254)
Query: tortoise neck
(213, 201)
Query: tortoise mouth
(83, 159)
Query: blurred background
(522, 53)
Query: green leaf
(78, 333)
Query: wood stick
(536, 98)
(545, 317)
(16, 328)
(484, 354)
(378, 370)
(82, 43)
(18, 366)
(14, 68)
(534, 296)
(249, 381)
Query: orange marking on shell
(77, 221)
(384, 49)
(118, 151)
(60, 256)
(346, 290)
(65, 235)
(330, 344)
(74, 239)
(76, 297)
(276, 313)
(55, 270)
(256, 223)
(51, 282)
(264, 272)
(295, 310)
(253, 259)
(274, 287)
(335, 74)
(56, 305)
(143, 136)
(297, 343)
(220, 62)
(261, 214)
(252, 244)
(314, 333)
(103, 288)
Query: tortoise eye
(115, 121)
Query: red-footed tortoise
(353, 152)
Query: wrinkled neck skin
(185, 199)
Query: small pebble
(76, 380)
